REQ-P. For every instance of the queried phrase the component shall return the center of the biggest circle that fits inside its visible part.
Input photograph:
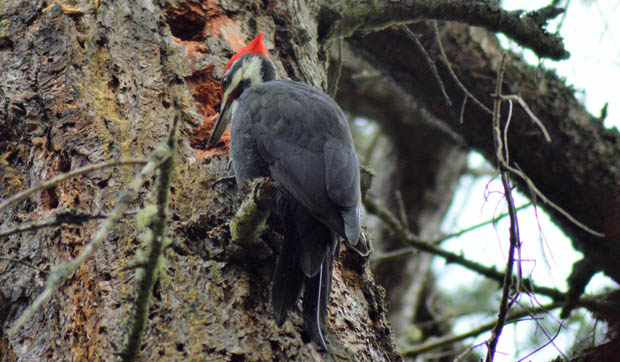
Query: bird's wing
(342, 175)
(301, 172)
(302, 134)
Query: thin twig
(462, 113)
(506, 159)
(410, 239)
(25, 263)
(484, 223)
(65, 216)
(529, 112)
(456, 78)
(514, 228)
(401, 208)
(62, 272)
(539, 194)
(404, 251)
(513, 317)
(55, 180)
(429, 61)
(550, 339)
(158, 224)
(467, 351)
(333, 87)
(392, 254)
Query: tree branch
(410, 239)
(155, 238)
(55, 180)
(501, 151)
(25, 263)
(526, 29)
(444, 57)
(404, 251)
(513, 317)
(64, 216)
(578, 171)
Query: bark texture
(101, 80)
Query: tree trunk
(101, 80)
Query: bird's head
(250, 66)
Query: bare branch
(410, 239)
(404, 251)
(429, 62)
(25, 263)
(64, 216)
(529, 112)
(468, 94)
(157, 224)
(484, 223)
(546, 200)
(333, 86)
(55, 180)
(513, 317)
(501, 151)
(61, 273)
(526, 29)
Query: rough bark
(98, 81)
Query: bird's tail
(287, 280)
(306, 259)
(316, 298)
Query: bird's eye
(225, 83)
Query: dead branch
(410, 239)
(501, 152)
(155, 238)
(57, 179)
(527, 29)
(404, 251)
(60, 273)
(513, 317)
(429, 62)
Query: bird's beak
(220, 125)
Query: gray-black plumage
(298, 136)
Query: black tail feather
(306, 259)
(287, 280)
(316, 298)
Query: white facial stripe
(234, 82)
(249, 70)
(233, 109)
(252, 71)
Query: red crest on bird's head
(255, 47)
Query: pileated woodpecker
(298, 136)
